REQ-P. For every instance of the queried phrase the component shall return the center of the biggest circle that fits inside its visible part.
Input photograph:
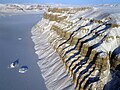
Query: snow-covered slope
(79, 48)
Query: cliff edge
(79, 48)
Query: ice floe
(14, 64)
(19, 38)
(23, 69)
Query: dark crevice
(73, 33)
(86, 36)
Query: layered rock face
(79, 48)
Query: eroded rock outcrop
(79, 48)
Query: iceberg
(19, 38)
(23, 69)
(14, 64)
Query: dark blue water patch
(114, 83)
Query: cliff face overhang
(87, 42)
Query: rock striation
(79, 48)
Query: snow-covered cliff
(79, 48)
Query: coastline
(71, 43)
(52, 68)
(80, 38)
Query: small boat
(14, 64)
(23, 69)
